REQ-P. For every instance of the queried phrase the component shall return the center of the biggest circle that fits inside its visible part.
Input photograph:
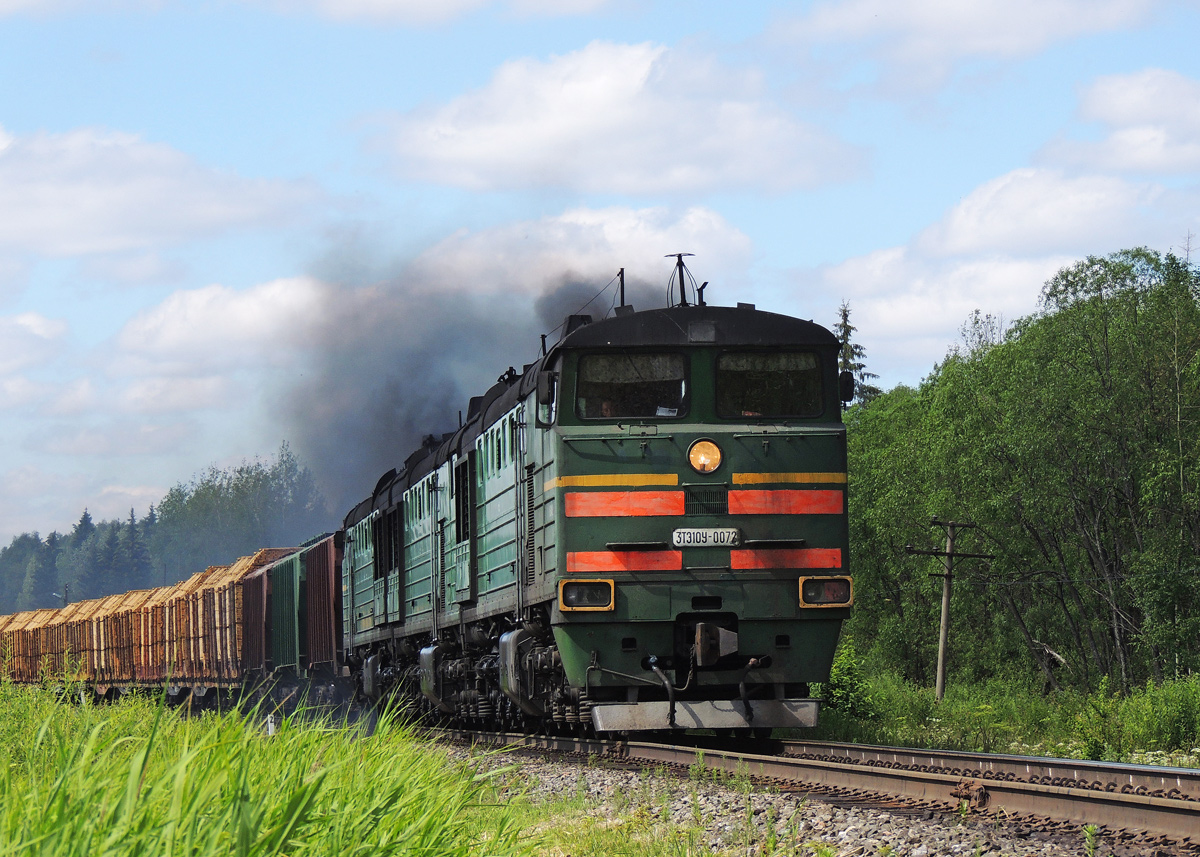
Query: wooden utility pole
(948, 555)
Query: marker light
(704, 456)
(585, 595)
(826, 592)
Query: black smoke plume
(398, 360)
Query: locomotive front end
(699, 488)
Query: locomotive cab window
(776, 384)
(631, 386)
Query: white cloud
(92, 191)
(11, 7)
(35, 499)
(901, 294)
(426, 11)
(32, 500)
(162, 395)
(924, 39)
(120, 438)
(52, 7)
(398, 11)
(14, 274)
(1152, 119)
(1153, 95)
(385, 11)
(218, 328)
(75, 398)
(555, 8)
(113, 502)
(909, 309)
(207, 348)
(993, 252)
(1031, 211)
(614, 118)
(16, 391)
(204, 349)
(525, 256)
(28, 339)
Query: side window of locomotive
(624, 386)
(776, 384)
(547, 398)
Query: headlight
(704, 456)
(826, 591)
(585, 595)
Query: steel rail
(1181, 783)
(1129, 815)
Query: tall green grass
(1156, 724)
(136, 779)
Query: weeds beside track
(133, 779)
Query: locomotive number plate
(706, 537)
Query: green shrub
(1098, 725)
(1155, 724)
(1161, 717)
(847, 690)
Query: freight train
(644, 529)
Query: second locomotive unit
(645, 529)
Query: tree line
(214, 518)
(1072, 439)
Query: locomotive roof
(699, 325)
(667, 327)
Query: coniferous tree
(852, 358)
(76, 561)
(212, 520)
(134, 565)
(14, 564)
(149, 527)
(106, 560)
(82, 530)
(41, 576)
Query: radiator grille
(706, 500)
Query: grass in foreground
(135, 779)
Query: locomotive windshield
(637, 385)
(778, 384)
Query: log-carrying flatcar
(272, 618)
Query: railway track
(1137, 805)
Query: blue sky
(232, 224)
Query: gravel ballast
(732, 817)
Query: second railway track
(1134, 804)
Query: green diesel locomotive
(645, 529)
